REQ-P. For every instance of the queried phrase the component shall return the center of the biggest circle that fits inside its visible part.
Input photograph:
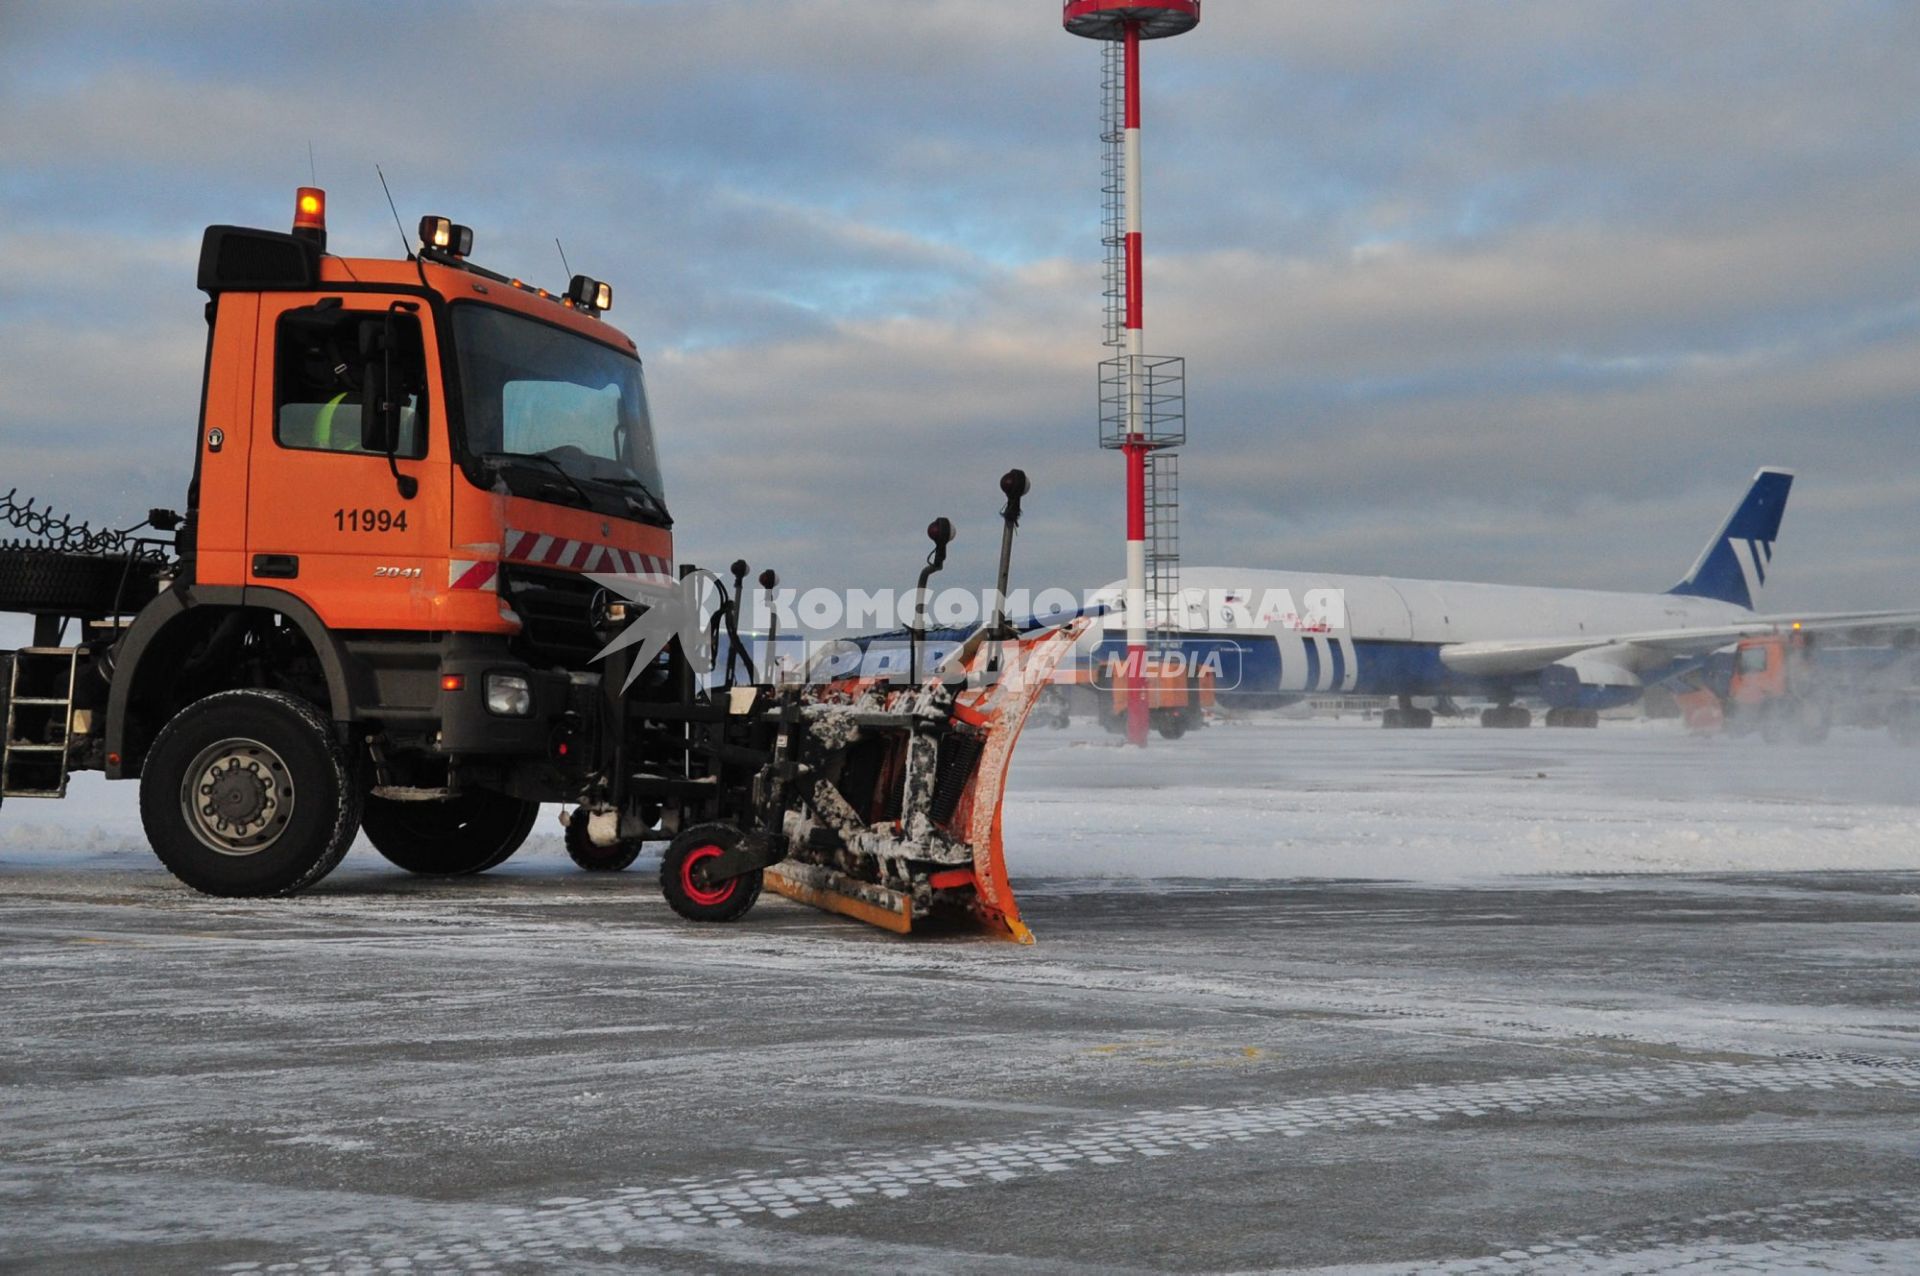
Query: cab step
(39, 715)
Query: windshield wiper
(509, 458)
(653, 498)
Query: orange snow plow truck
(425, 582)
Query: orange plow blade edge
(927, 851)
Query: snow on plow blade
(904, 831)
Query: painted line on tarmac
(688, 1208)
(1841, 1232)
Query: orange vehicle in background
(1179, 694)
(1767, 684)
(1773, 689)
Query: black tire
(597, 859)
(1170, 723)
(689, 894)
(249, 793)
(471, 833)
(58, 582)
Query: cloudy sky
(1507, 291)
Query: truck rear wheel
(684, 881)
(471, 833)
(249, 793)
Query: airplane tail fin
(1733, 566)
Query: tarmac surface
(542, 1071)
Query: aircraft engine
(1589, 680)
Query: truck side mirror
(380, 394)
(379, 417)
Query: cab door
(327, 520)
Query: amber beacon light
(310, 215)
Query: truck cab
(1775, 688)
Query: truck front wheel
(471, 833)
(597, 859)
(249, 793)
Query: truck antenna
(313, 173)
(405, 247)
(563, 257)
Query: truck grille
(556, 608)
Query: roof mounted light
(445, 235)
(590, 294)
(310, 215)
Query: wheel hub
(237, 797)
(695, 880)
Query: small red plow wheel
(690, 880)
(684, 881)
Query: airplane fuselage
(1280, 634)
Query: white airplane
(1273, 636)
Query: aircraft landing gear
(1569, 717)
(1406, 716)
(1507, 715)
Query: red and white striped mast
(1142, 399)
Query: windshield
(532, 390)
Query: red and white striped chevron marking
(555, 551)
(564, 553)
(466, 573)
(542, 550)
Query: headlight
(509, 695)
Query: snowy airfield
(1307, 995)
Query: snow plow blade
(837, 893)
(902, 829)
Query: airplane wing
(1650, 648)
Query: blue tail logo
(1733, 566)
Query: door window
(320, 361)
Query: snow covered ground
(1268, 798)
(1642, 1003)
